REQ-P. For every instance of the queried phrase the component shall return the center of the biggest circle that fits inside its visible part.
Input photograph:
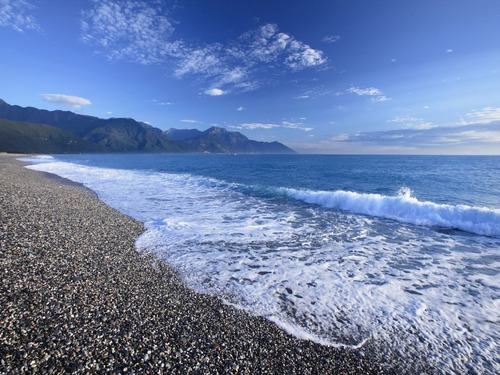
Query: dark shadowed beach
(76, 296)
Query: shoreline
(77, 296)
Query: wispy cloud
(18, 15)
(236, 64)
(375, 94)
(370, 91)
(318, 92)
(70, 101)
(162, 103)
(302, 56)
(142, 32)
(296, 125)
(331, 38)
(267, 126)
(241, 108)
(268, 45)
(207, 60)
(254, 125)
(470, 139)
(381, 98)
(486, 115)
(135, 31)
(191, 121)
(412, 122)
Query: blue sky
(337, 76)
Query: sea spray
(405, 208)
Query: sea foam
(407, 209)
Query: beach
(76, 296)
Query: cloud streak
(191, 121)
(253, 126)
(331, 38)
(269, 126)
(376, 95)
(141, 32)
(472, 139)
(486, 115)
(18, 15)
(412, 123)
(69, 101)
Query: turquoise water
(402, 252)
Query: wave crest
(405, 208)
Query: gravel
(75, 296)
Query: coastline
(76, 296)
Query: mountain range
(33, 130)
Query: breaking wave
(405, 208)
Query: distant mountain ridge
(93, 134)
(25, 137)
(220, 140)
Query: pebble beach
(76, 297)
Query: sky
(322, 76)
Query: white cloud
(449, 50)
(296, 125)
(380, 99)
(18, 15)
(486, 115)
(340, 137)
(412, 123)
(136, 31)
(233, 64)
(191, 121)
(377, 95)
(268, 126)
(470, 139)
(205, 61)
(139, 31)
(253, 126)
(302, 56)
(481, 135)
(159, 102)
(331, 38)
(318, 92)
(370, 91)
(262, 45)
(66, 100)
(240, 108)
(215, 92)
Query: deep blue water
(471, 180)
(400, 251)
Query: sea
(399, 253)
